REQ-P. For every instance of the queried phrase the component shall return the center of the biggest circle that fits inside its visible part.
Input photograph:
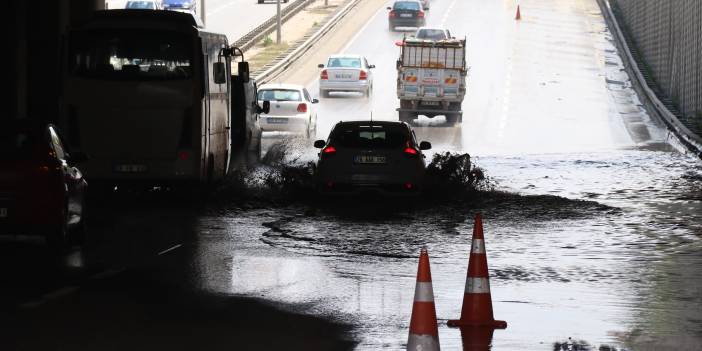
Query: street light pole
(277, 31)
(202, 11)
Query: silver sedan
(346, 73)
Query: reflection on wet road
(592, 217)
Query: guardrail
(281, 65)
(251, 38)
(690, 140)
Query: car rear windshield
(148, 5)
(406, 5)
(431, 34)
(279, 95)
(370, 136)
(344, 62)
(17, 144)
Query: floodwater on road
(592, 216)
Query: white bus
(146, 96)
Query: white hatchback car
(346, 73)
(291, 109)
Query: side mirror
(244, 71)
(314, 101)
(321, 65)
(219, 71)
(389, 8)
(424, 145)
(319, 144)
(266, 107)
(371, 66)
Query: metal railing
(251, 38)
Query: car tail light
(324, 75)
(183, 155)
(409, 186)
(363, 75)
(302, 107)
(392, 14)
(329, 151)
(410, 151)
(420, 14)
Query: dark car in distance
(377, 156)
(406, 13)
(41, 190)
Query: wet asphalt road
(592, 216)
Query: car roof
(431, 28)
(345, 55)
(377, 123)
(280, 86)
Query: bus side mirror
(244, 71)
(219, 71)
(266, 107)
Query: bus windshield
(127, 54)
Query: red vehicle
(41, 191)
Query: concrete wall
(665, 37)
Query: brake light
(363, 75)
(329, 150)
(302, 107)
(410, 151)
(392, 14)
(324, 75)
(420, 14)
(409, 186)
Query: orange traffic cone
(424, 332)
(519, 14)
(477, 302)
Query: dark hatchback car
(406, 13)
(41, 191)
(376, 156)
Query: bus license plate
(3, 212)
(272, 120)
(130, 168)
(369, 159)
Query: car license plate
(130, 168)
(430, 103)
(272, 120)
(405, 15)
(369, 159)
(3, 212)
(343, 76)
